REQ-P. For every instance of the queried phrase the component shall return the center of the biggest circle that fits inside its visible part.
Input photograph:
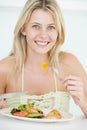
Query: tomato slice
(21, 113)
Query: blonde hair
(19, 50)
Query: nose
(43, 33)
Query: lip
(41, 43)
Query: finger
(2, 104)
(75, 93)
(73, 83)
(68, 83)
(71, 77)
(75, 88)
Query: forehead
(42, 15)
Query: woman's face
(40, 31)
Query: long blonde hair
(19, 50)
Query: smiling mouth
(41, 43)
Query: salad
(27, 110)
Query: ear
(23, 32)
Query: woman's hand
(2, 104)
(75, 86)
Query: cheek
(30, 36)
(54, 36)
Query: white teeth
(41, 42)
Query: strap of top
(22, 78)
(55, 81)
(54, 75)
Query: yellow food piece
(44, 65)
(54, 114)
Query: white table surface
(8, 123)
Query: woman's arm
(84, 107)
(76, 81)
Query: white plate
(65, 117)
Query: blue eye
(51, 27)
(36, 26)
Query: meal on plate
(28, 110)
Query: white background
(75, 15)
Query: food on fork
(54, 114)
(44, 65)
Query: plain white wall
(76, 31)
(8, 18)
(76, 34)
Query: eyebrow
(40, 24)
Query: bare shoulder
(6, 70)
(68, 58)
(6, 64)
(71, 62)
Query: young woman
(38, 36)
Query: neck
(34, 62)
